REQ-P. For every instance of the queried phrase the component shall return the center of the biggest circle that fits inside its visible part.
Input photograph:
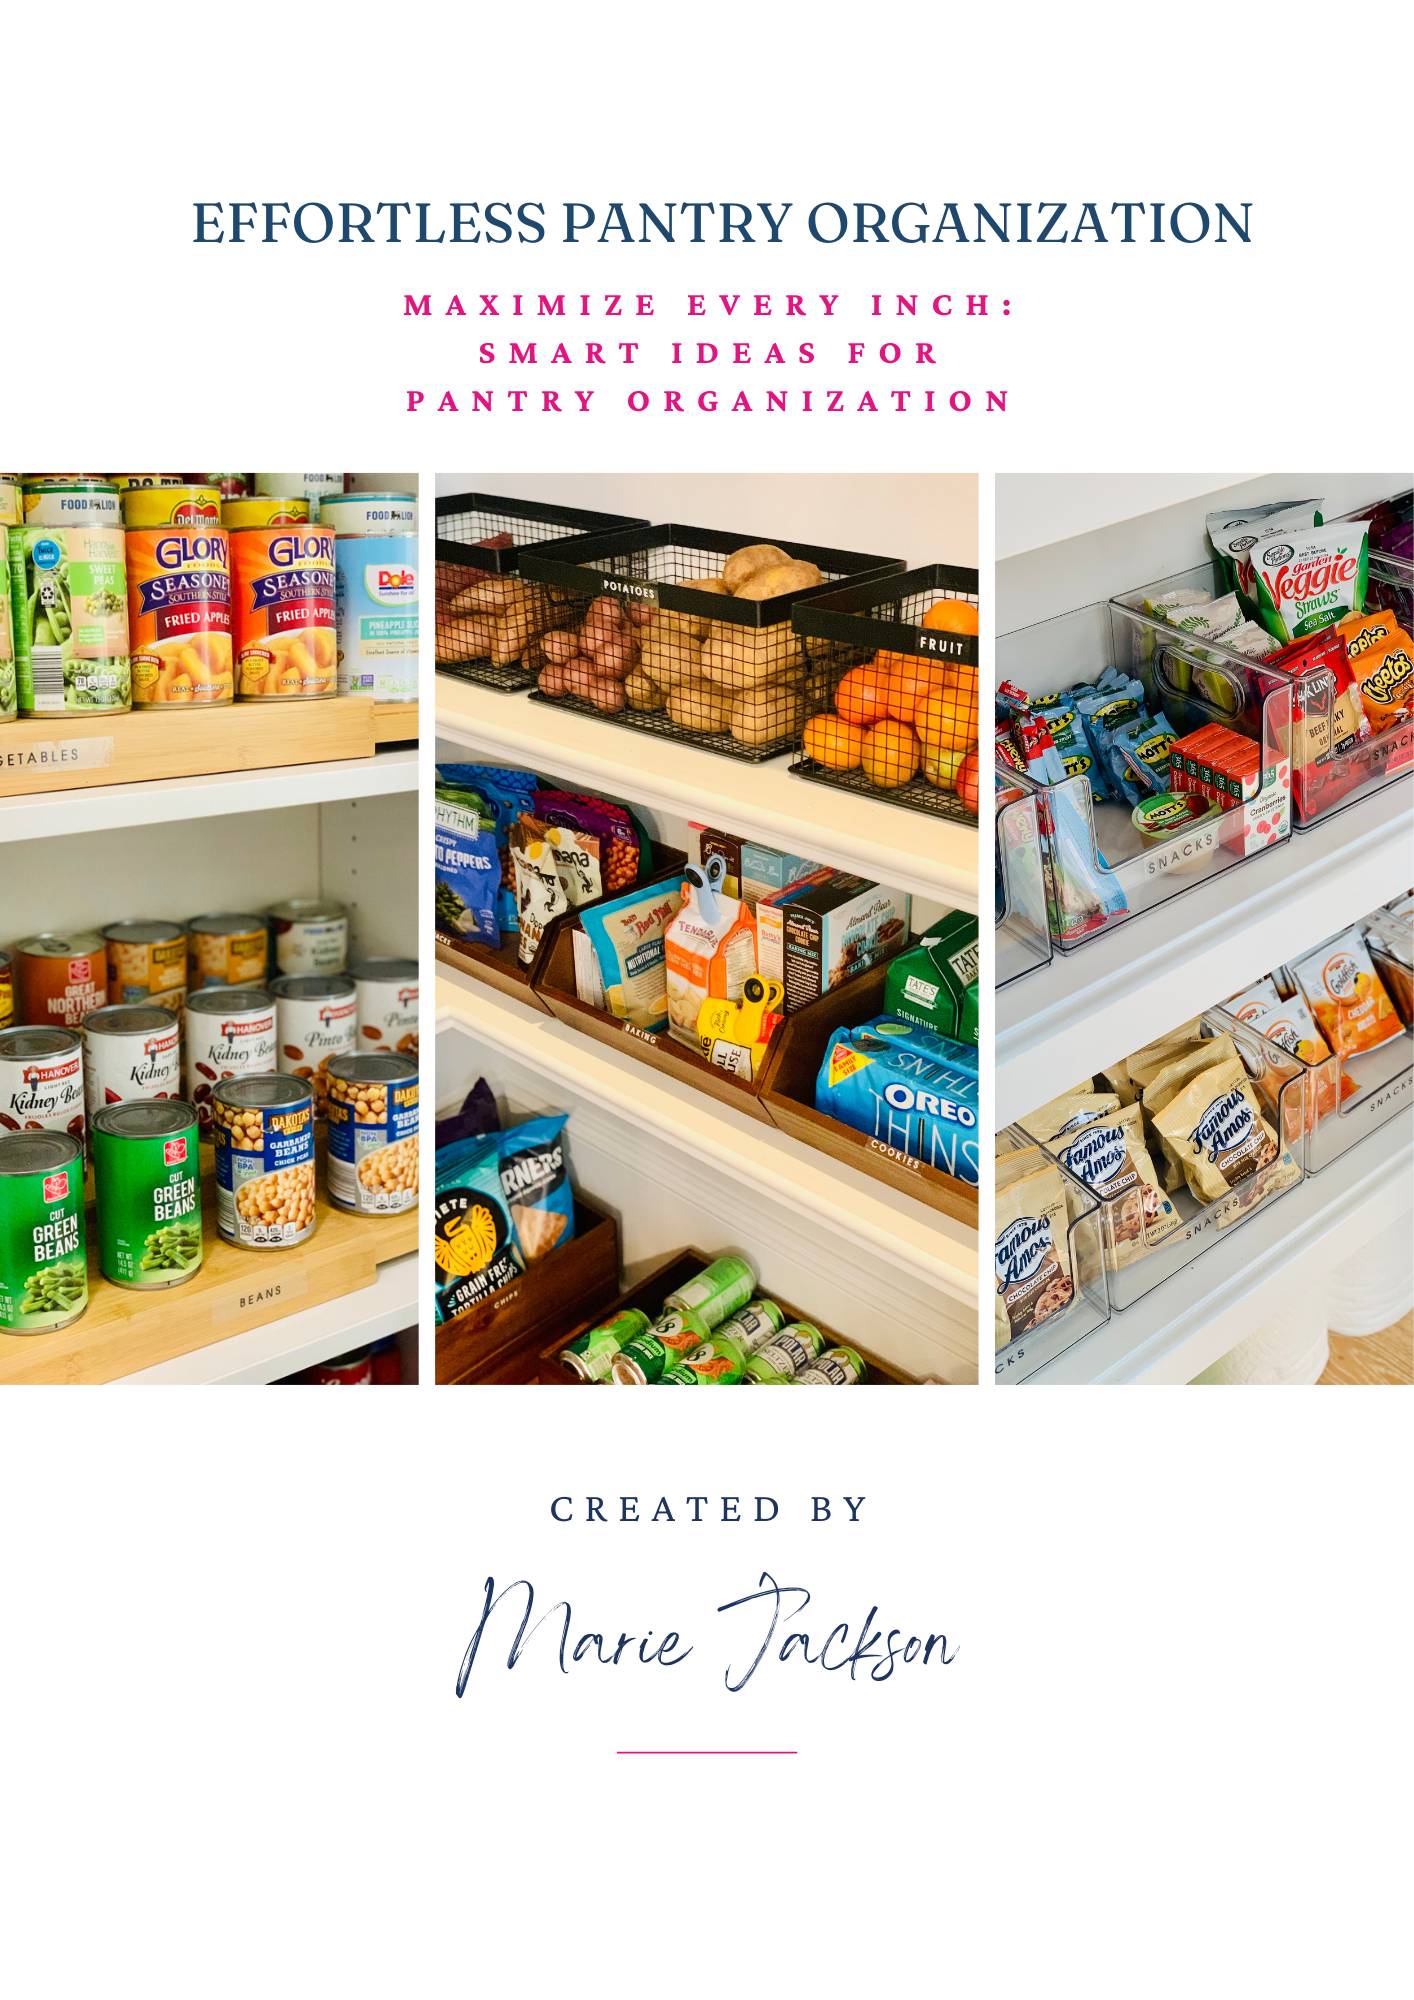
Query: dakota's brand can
(41, 1081)
(69, 608)
(228, 950)
(130, 1052)
(227, 1031)
(718, 1359)
(673, 1336)
(264, 1128)
(179, 613)
(263, 510)
(839, 1367)
(375, 610)
(311, 935)
(316, 1018)
(81, 503)
(309, 486)
(59, 979)
(781, 1360)
(147, 1181)
(146, 960)
(590, 1357)
(282, 596)
(722, 1289)
(7, 991)
(372, 1113)
(159, 502)
(369, 513)
(43, 1260)
(387, 1004)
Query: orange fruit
(946, 717)
(835, 744)
(891, 754)
(950, 614)
(862, 696)
(909, 683)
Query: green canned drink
(718, 1359)
(722, 1289)
(755, 1324)
(591, 1357)
(781, 1360)
(841, 1367)
(673, 1336)
(43, 1259)
(680, 1375)
(147, 1181)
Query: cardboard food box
(826, 930)
(935, 982)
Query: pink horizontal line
(706, 1753)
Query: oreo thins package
(908, 1090)
(934, 983)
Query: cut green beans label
(43, 1276)
(69, 605)
(149, 1207)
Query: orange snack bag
(1385, 677)
(1345, 993)
(1364, 630)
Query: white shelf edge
(907, 850)
(939, 1250)
(299, 1340)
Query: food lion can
(369, 513)
(147, 1180)
(146, 960)
(375, 605)
(283, 596)
(60, 979)
(227, 949)
(130, 1052)
(316, 1019)
(311, 935)
(43, 1259)
(723, 1288)
(264, 1127)
(372, 1114)
(41, 1081)
(311, 487)
(59, 503)
(590, 1358)
(228, 1032)
(387, 1005)
(179, 615)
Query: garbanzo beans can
(227, 950)
(283, 598)
(263, 510)
(264, 1130)
(372, 1113)
(147, 960)
(179, 613)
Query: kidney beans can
(146, 960)
(283, 597)
(228, 1032)
(316, 1018)
(262, 510)
(43, 1256)
(69, 607)
(369, 513)
(227, 950)
(375, 601)
(264, 1128)
(179, 614)
(59, 979)
(311, 935)
(387, 1005)
(41, 1081)
(130, 1052)
(372, 1111)
(147, 1180)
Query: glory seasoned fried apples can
(283, 597)
(372, 1112)
(179, 613)
(264, 1130)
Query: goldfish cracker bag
(1344, 992)
(1288, 1023)
(283, 604)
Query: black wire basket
(489, 619)
(686, 632)
(890, 699)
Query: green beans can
(147, 1180)
(840, 1367)
(43, 1258)
(590, 1358)
(69, 604)
(673, 1336)
(794, 1348)
(724, 1287)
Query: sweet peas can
(69, 608)
(283, 600)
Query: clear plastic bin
(1023, 934)
(1089, 1306)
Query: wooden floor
(1383, 1357)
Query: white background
(1175, 1748)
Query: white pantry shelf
(914, 851)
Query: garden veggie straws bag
(1306, 579)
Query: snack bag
(1310, 578)
(1344, 992)
(1234, 541)
(535, 1182)
(478, 1116)
(1385, 677)
(628, 939)
(1031, 1251)
(1288, 1024)
(1214, 1127)
(473, 1239)
(540, 890)
(710, 947)
(1101, 1142)
(467, 867)
(1138, 755)
(1165, 1083)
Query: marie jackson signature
(760, 1619)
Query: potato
(743, 563)
(738, 657)
(777, 581)
(552, 677)
(514, 633)
(490, 593)
(642, 693)
(580, 676)
(770, 714)
(670, 657)
(679, 624)
(638, 613)
(700, 706)
(465, 638)
(560, 646)
(617, 655)
(607, 695)
(603, 620)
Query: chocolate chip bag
(1031, 1253)
(1213, 1125)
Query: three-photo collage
(895, 930)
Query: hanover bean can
(43, 1263)
(147, 1180)
(372, 1115)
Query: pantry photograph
(706, 801)
(209, 1083)
(1204, 809)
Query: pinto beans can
(228, 1032)
(316, 1019)
(60, 979)
(41, 1081)
(227, 950)
(372, 1112)
(264, 1129)
(43, 1261)
(179, 614)
(130, 1052)
(387, 1005)
(283, 594)
(147, 960)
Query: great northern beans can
(724, 1287)
(147, 960)
(387, 1005)
(147, 1180)
(41, 1081)
(227, 1031)
(372, 1113)
(590, 1358)
(227, 950)
(43, 1262)
(282, 595)
(60, 979)
(130, 1052)
(69, 603)
(264, 1129)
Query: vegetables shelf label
(74, 753)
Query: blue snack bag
(536, 1183)
(467, 868)
(906, 1088)
(1139, 756)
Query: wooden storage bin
(788, 1098)
(500, 1339)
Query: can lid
(297, 907)
(313, 986)
(230, 1000)
(384, 968)
(371, 1069)
(145, 1118)
(70, 486)
(48, 944)
(264, 1092)
(226, 921)
(25, 1044)
(143, 930)
(130, 1018)
(37, 1152)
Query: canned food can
(9, 683)
(252, 510)
(372, 1111)
(315, 1019)
(264, 1130)
(369, 513)
(69, 609)
(146, 959)
(348, 1371)
(132, 482)
(311, 935)
(43, 1257)
(673, 1336)
(230, 485)
(311, 486)
(12, 505)
(724, 1287)
(41, 1081)
(227, 1032)
(839, 1367)
(7, 991)
(590, 1357)
(283, 594)
(719, 1359)
(130, 1052)
(179, 614)
(375, 608)
(59, 979)
(227, 950)
(781, 1360)
(147, 1184)
(160, 502)
(79, 503)
(387, 1004)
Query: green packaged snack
(1306, 579)
(934, 984)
